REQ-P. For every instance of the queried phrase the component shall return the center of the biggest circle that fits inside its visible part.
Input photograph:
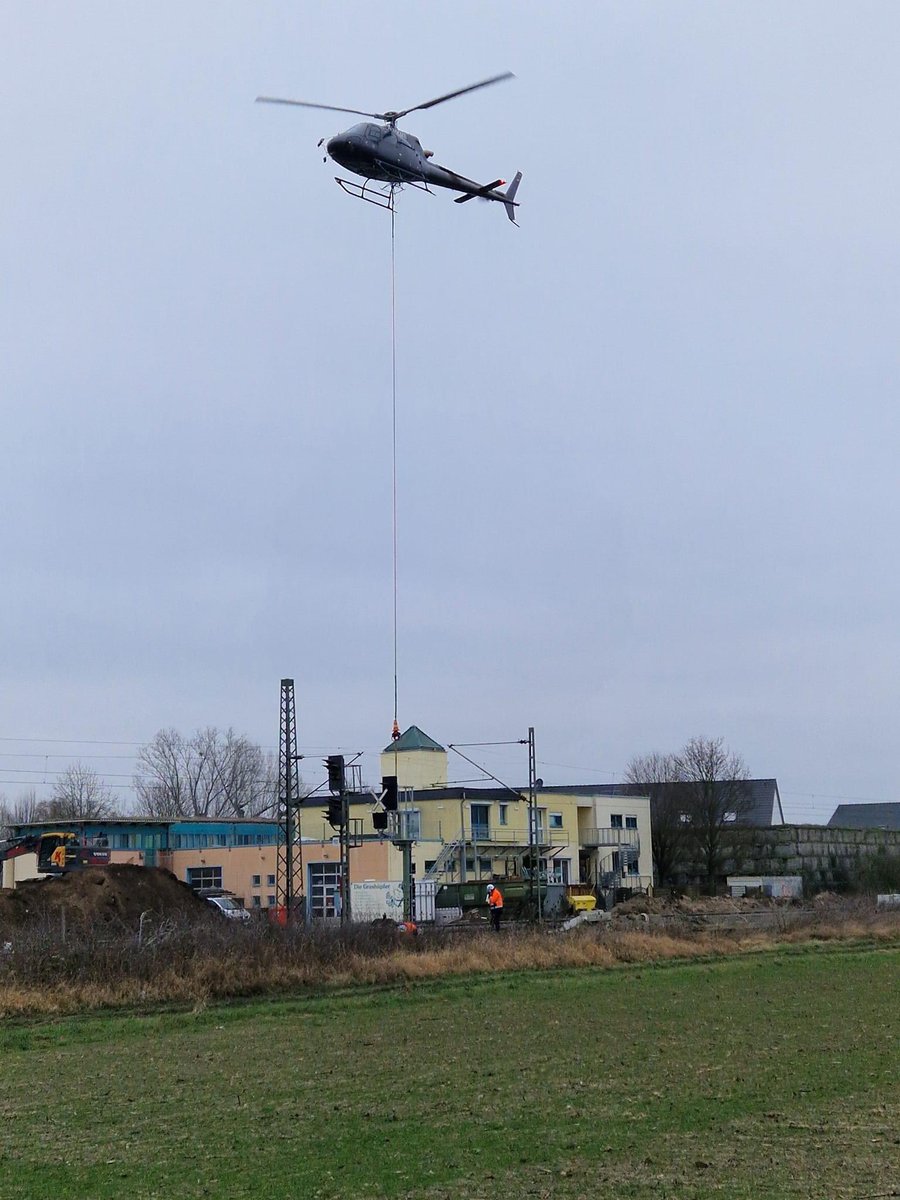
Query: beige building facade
(583, 835)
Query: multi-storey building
(580, 834)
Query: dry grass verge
(199, 962)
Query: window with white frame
(538, 823)
(615, 821)
(409, 821)
(204, 877)
(504, 814)
(556, 820)
(480, 815)
(324, 890)
(558, 871)
(631, 822)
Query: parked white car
(227, 905)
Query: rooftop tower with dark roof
(417, 760)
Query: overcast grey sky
(647, 441)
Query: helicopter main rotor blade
(307, 104)
(452, 95)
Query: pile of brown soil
(118, 893)
(692, 906)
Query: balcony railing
(610, 837)
(637, 883)
(504, 835)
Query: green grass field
(772, 1075)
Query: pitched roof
(867, 816)
(762, 807)
(412, 739)
(763, 803)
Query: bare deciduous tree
(657, 773)
(79, 794)
(24, 809)
(716, 799)
(210, 774)
(698, 799)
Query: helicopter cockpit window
(373, 133)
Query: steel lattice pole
(290, 863)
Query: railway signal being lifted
(384, 154)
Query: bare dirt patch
(691, 906)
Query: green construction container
(518, 897)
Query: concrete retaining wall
(820, 853)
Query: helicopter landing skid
(379, 199)
(358, 192)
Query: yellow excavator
(36, 855)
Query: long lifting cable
(396, 727)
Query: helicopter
(387, 155)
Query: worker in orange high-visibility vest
(495, 904)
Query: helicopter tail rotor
(482, 194)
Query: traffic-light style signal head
(389, 788)
(335, 765)
(335, 813)
(379, 820)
